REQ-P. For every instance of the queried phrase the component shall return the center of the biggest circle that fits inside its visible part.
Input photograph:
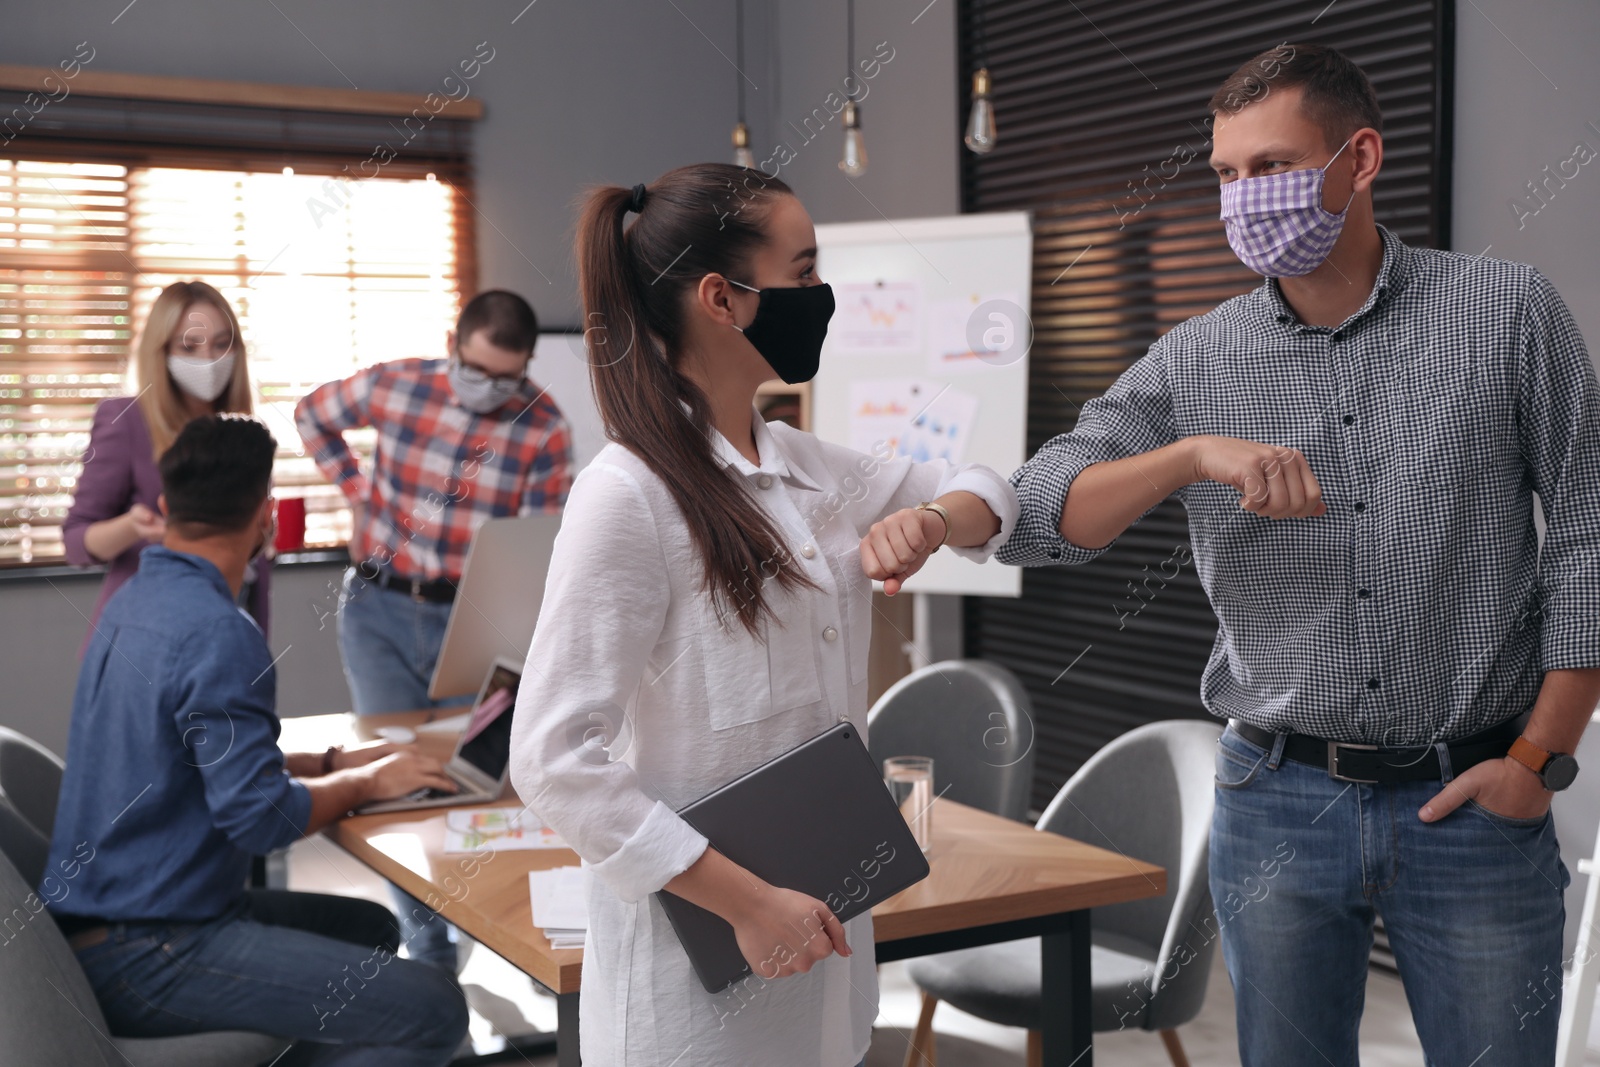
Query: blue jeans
(1472, 904)
(318, 969)
(389, 644)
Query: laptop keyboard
(430, 793)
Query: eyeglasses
(478, 376)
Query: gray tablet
(817, 819)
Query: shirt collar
(161, 556)
(1392, 274)
(773, 461)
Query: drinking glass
(910, 781)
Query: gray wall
(1524, 99)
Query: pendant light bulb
(981, 134)
(854, 162)
(742, 156)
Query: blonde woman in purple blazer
(189, 361)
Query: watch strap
(1529, 755)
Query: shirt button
(830, 634)
(1363, 593)
(1337, 336)
(1348, 419)
(765, 481)
(1055, 553)
(1361, 505)
(809, 551)
(1372, 683)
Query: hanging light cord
(738, 21)
(850, 39)
(978, 42)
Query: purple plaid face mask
(1276, 223)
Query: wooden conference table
(991, 880)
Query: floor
(506, 1001)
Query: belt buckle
(416, 591)
(1333, 761)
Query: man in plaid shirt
(1405, 669)
(460, 440)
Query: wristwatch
(1555, 769)
(937, 509)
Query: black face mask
(789, 328)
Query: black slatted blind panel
(1103, 135)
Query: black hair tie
(636, 205)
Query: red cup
(291, 524)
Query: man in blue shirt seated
(174, 780)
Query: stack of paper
(559, 909)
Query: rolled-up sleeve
(1558, 419)
(229, 730)
(1132, 417)
(604, 608)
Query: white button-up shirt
(637, 700)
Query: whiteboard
(928, 347)
(560, 367)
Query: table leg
(567, 1030)
(1068, 995)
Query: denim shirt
(174, 776)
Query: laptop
(497, 602)
(817, 819)
(482, 758)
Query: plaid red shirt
(439, 470)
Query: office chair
(48, 1013)
(974, 719)
(1149, 795)
(30, 782)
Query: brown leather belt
(88, 938)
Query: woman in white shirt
(708, 607)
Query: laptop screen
(486, 742)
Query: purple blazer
(118, 472)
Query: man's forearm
(1105, 498)
(1566, 701)
(333, 795)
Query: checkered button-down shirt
(439, 470)
(1419, 608)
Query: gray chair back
(974, 719)
(1149, 795)
(48, 1012)
(30, 785)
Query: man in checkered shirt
(1358, 443)
(460, 440)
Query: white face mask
(203, 379)
(477, 391)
